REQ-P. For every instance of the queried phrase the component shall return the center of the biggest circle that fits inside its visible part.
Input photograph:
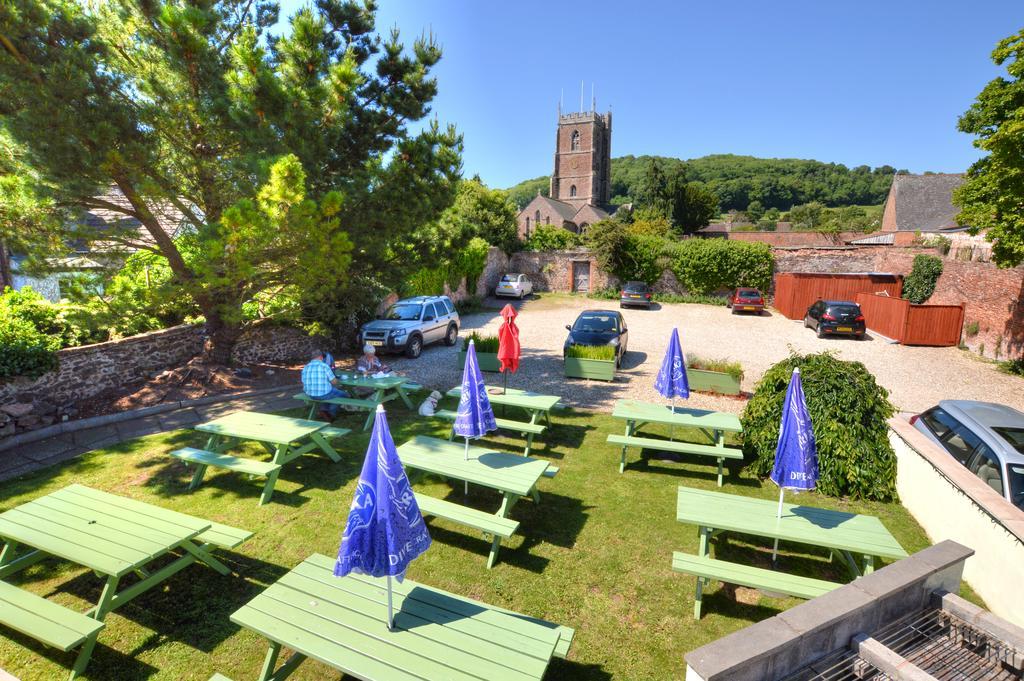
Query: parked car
(746, 300)
(514, 285)
(835, 316)
(635, 293)
(411, 323)
(985, 437)
(599, 327)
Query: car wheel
(807, 324)
(452, 335)
(414, 347)
(820, 331)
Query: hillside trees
(992, 197)
(288, 156)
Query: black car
(835, 316)
(635, 293)
(599, 327)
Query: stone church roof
(925, 202)
(561, 207)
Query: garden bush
(487, 344)
(848, 411)
(602, 352)
(920, 283)
(24, 350)
(552, 238)
(71, 325)
(706, 265)
(1013, 366)
(725, 366)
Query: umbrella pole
(465, 491)
(778, 516)
(391, 617)
(672, 427)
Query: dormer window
(575, 140)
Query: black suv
(835, 316)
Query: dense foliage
(707, 265)
(24, 351)
(848, 411)
(992, 197)
(467, 263)
(552, 238)
(666, 192)
(740, 180)
(66, 324)
(481, 212)
(285, 154)
(920, 283)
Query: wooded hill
(775, 182)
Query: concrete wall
(952, 503)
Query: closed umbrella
(671, 381)
(796, 456)
(508, 344)
(385, 529)
(475, 417)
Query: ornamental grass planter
(488, 360)
(594, 369)
(703, 380)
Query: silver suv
(411, 323)
(985, 437)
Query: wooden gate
(797, 291)
(898, 319)
(581, 276)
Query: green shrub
(487, 344)
(920, 283)
(707, 265)
(552, 238)
(70, 324)
(608, 293)
(691, 298)
(24, 350)
(602, 352)
(1013, 366)
(971, 329)
(725, 366)
(848, 412)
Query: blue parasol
(385, 529)
(671, 381)
(796, 456)
(475, 417)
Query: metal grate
(938, 642)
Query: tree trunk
(222, 339)
(6, 276)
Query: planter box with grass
(596, 362)
(486, 352)
(714, 376)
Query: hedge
(919, 285)
(24, 351)
(708, 265)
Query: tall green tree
(694, 205)
(486, 213)
(992, 197)
(289, 156)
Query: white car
(514, 286)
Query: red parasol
(508, 341)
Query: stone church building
(581, 181)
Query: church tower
(583, 145)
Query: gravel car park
(917, 377)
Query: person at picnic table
(369, 362)
(319, 383)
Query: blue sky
(863, 82)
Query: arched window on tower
(536, 218)
(572, 191)
(575, 140)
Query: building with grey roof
(922, 203)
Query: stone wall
(86, 371)
(553, 270)
(270, 343)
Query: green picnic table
(384, 389)
(111, 535)
(534, 404)
(437, 636)
(850, 534)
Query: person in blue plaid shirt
(319, 382)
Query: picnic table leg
(529, 444)
(202, 554)
(268, 487)
(869, 564)
(106, 599)
(507, 502)
(622, 457)
(400, 389)
(10, 565)
(536, 494)
(83, 657)
(312, 410)
(698, 597)
(493, 556)
(197, 477)
(270, 661)
(721, 462)
(325, 447)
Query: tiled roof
(100, 221)
(924, 202)
(563, 209)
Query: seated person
(318, 382)
(370, 363)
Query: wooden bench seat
(524, 427)
(719, 453)
(706, 569)
(340, 401)
(202, 458)
(496, 526)
(49, 623)
(331, 432)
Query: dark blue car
(599, 327)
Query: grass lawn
(594, 555)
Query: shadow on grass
(564, 669)
(103, 657)
(687, 465)
(632, 359)
(198, 593)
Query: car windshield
(1015, 476)
(595, 323)
(405, 312)
(510, 277)
(1015, 436)
(750, 295)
